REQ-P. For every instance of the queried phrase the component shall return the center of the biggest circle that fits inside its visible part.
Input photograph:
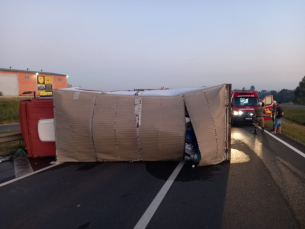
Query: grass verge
(8, 148)
(291, 129)
(295, 115)
(9, 109)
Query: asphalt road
(9, 127)
(291, 105)
(263, 186)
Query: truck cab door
(268, 105)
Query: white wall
(9, 84)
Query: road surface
(291, 105)
(9, 127)
(263, 186)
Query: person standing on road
(258, 113)
(278, 118)
(273, 111)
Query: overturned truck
(141, 125)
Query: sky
(123, 45)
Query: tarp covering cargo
(147, 125)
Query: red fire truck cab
(243, 104)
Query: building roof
(26, 71)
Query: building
(18, 82)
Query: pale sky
(113, 45)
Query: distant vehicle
(27, 92)
(243, 104)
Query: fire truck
(243, 104)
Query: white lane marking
(148, 214)
(19, 178)
(291, 167)
(286, 144)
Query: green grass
(295, 115)
(9, 109)
(291, 129)
(8, 148)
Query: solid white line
(148, 214)
(19, 178)
(286, 144)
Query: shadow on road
(41, 162)
(253, 199)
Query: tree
(263, 93)
(252, 88)
(244, 88)
(285, 95)
(274, 93)
(299, 93)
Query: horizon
(113, 45)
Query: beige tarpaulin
(114, 128)
(162, 128)
(73, 122)
(208, 110)
(117, 127)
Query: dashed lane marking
(148, 214)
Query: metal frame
(229, 115)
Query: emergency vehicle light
(238, 112)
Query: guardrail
(10, 137)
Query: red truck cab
(243, 104)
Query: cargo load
(95, 126)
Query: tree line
(297, 96)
